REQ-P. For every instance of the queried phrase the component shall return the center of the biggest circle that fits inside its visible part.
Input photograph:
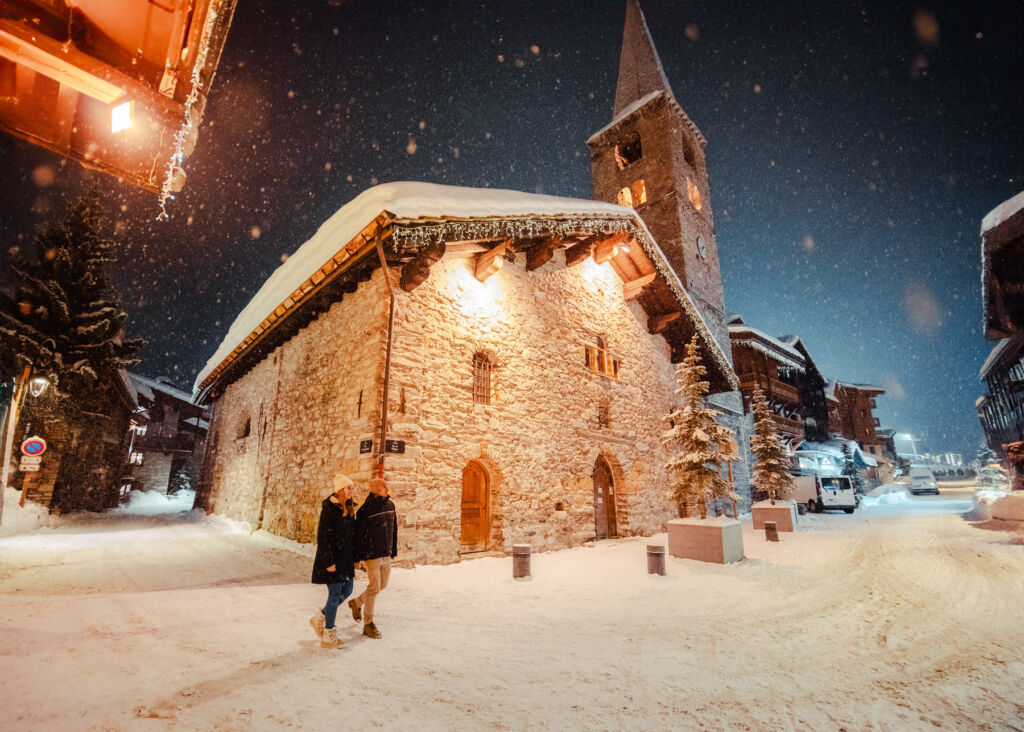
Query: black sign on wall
(365, 446)
(395, 446)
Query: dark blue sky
(853, 149)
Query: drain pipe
(387, 359)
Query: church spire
(640, 71)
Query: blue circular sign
(33, 446)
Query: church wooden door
(604, 501)
(476, 519)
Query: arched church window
(694, 194)
(625, 197)
(598, 359)
(628, 150)
(481, 378)
(639, 191)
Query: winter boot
(357, 612)
(317, 621)
(370, 631)
(330, 638)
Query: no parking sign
(33, 446)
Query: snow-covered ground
(901, 616)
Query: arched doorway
(476, 507)
(604, 501)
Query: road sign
(975, 465)
(33, 446)
(31, 459)
(28, 467)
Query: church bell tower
(651, 157)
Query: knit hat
(339, 481)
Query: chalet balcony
(772, 388)
(181, 442)
(790, 426)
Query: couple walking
(346, 536)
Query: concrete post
(520, 561)
(656, 559)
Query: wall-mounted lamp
(121, 116)
(37, 385)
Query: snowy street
(901, 616)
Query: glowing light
(38, 385)
(121, 116)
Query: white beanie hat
(339, 481)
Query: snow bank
(983, 500)
(151, 503)
(18, 520)
(1009, 508)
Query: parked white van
(825, 492)
(923, 481)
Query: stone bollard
(656, 559)
(520, 561)
(771, 531)
(801, 508)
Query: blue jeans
(336, 594)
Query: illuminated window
(599, 360)
(694, 193)
(135, 459)
(625, 197)
(628, 150)
(140, 429)
(639, 193)
(481, 378)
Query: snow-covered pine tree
(988, 476)
(65, 318)
(701, 443)
(849, 467)
(772, 463)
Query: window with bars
(481, 378)
(135, 459)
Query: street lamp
(38, 385)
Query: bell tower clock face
(702, 247)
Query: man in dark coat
(377, 539)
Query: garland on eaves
(188, 125)
(410, 236)
(757, 346)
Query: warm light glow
(121, 116)
(38, 385)
(625, 197)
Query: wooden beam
(580, 252)
(414, 273)
(491, 261)
(658, 323)
(632, 289)
(608, 248)
(542, 253)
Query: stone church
(506, 359)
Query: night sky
(853, 150)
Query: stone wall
(540, 438)
(307, 406)
(155, 471)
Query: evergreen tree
(702, 444)
(772, 462)
(989, 476)
(65, 319)
(849, 468)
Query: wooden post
(656, 559)
(520, 561)
(20, 387)
(771, 531)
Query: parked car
(923, 481)
(823, 493)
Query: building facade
(511, 367)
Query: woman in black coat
(334, 564)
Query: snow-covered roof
(1002, 212)
(993, 357)
(980, 400)
(644, 101)
(144, 387)
(410, 204)
(197, 422)
(830, 390)
(835, 449)
(861, 387)
(744, 335)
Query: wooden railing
(772, 388)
